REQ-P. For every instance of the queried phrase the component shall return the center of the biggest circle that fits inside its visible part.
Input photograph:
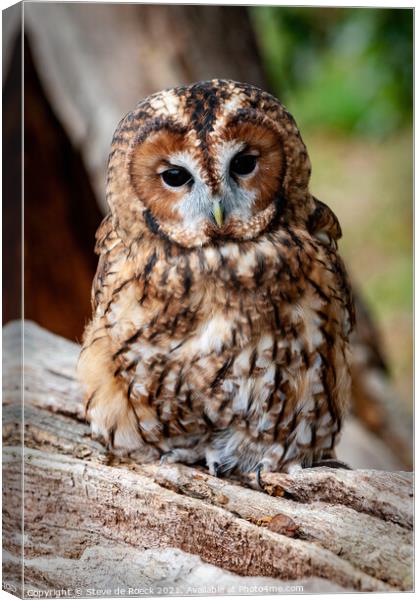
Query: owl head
(203, 163)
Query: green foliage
(345, 69)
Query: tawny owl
(221, 309)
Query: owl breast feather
(239, 339)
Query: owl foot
(294, 468)
(167, 457)
(188, 456)
(291, 469)
(265, 466)
(258, 470)
(215, 469)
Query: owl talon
(258, 476)
(215, 469)
(165, 457)
(294, 468)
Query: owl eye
(243, 164)
(176, 176)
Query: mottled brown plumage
(221, 309)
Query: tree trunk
(61, 217)
(95, 521)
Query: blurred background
(344, 73)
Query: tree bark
(95, 521)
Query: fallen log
(93, 521)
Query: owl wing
(105, 242)
(344, 290)
(323, 223)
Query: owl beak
(218, 213)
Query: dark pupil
(176, 176)
(243, 164)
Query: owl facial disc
(216, 159)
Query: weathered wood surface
(94, 521)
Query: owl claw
(165, 457)
(214, 469)
(258, 476)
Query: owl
(221, 309)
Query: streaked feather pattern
(227, 344)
